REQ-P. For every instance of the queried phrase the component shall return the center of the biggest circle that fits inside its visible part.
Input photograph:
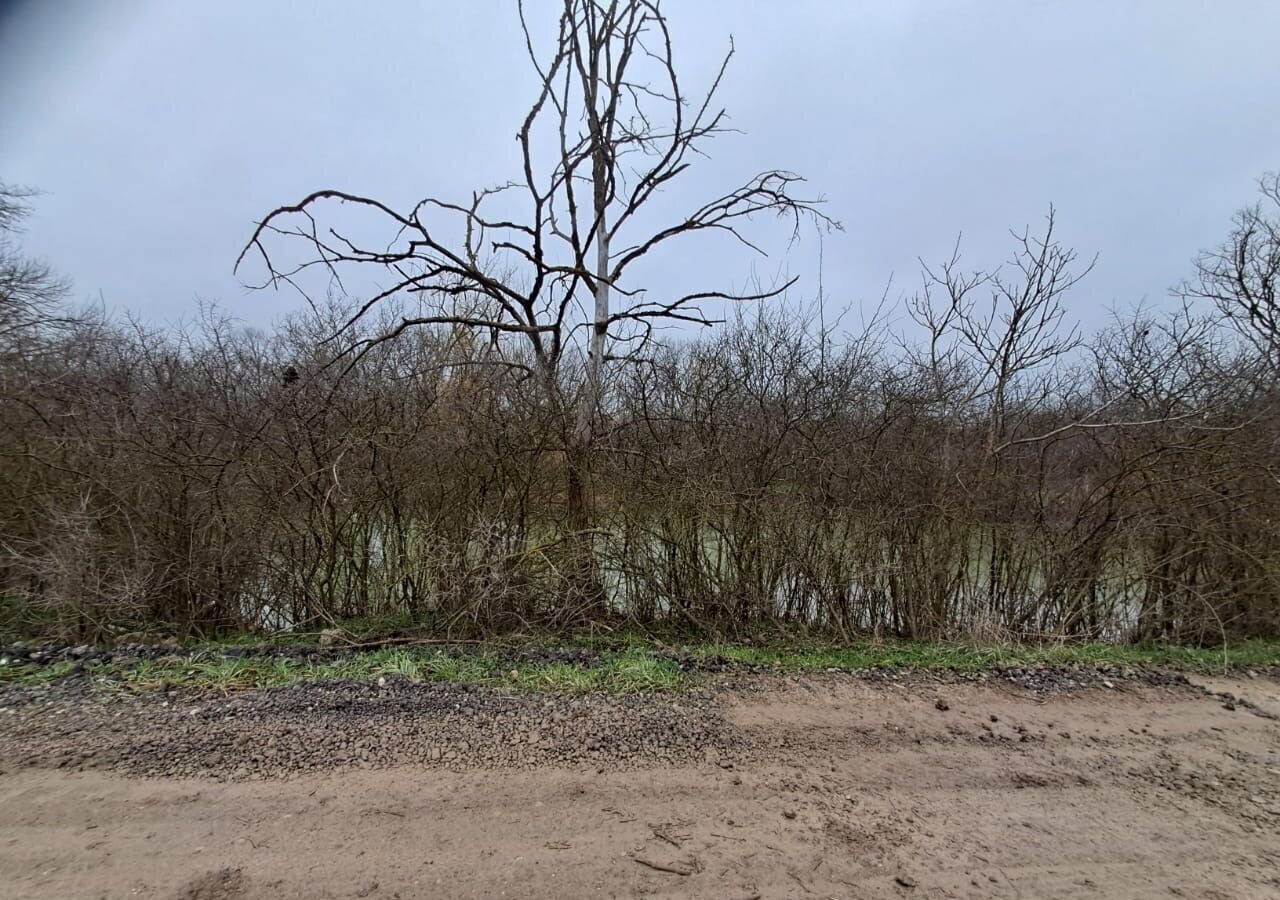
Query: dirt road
(830, 786)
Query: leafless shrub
(989, 473)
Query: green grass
(633, 671)
(973, 657)
(626, 664)
(19, 674)
(219, 674)
(626, 672)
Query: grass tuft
(559, 678)
(635, 672)
(30, 674)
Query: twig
(663, 836)
(796, 879)
(674, 868)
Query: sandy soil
(816, 788)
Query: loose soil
(1019, 784)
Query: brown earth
(828, 786)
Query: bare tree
(29, 290)
(1240, 276)
(998, 346)
(548, 257)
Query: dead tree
(548, 257)
(1240, 277)
(1000, 343)
(30, 292)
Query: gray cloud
(160, 131)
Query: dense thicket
(985, 472)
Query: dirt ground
(814, 787)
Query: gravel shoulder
(832, 785)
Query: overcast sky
(159, 131)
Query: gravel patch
(310, 726)
(315, 726)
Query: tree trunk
(581, 445)
(578, 473)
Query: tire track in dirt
(820, 787)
